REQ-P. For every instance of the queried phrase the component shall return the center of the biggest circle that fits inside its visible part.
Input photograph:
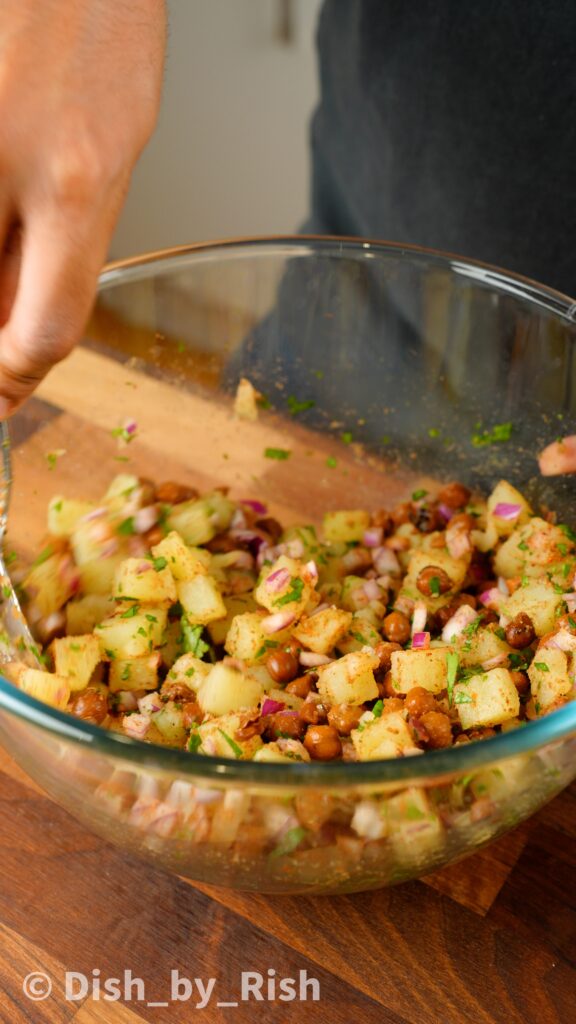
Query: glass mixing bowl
(399, 361)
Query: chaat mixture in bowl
(317, 631)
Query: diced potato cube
(488, 698)
(362, 632)
(427, 668)
(121, 489)
(193, 521)
(532, 550)
(134, 636)
(549, 678)
(184, 562)
(247, 640)
(236, 604)
(540, 601)
(296, 591)
(189, 670)
(384, 737)
(350, 679)
(230, 812)
(218, 738)
(322, 631)
(97, 576)
(87, 612)
(45, 686)
(170, 723)
(64, 515)
(75, 659)
(134, 673)
(136, 579)
(346, 525)
(505, 494)
(479, 647)
(414, 828)
(47, 585)
(352, 595)
(201, 600)
(225, 689)
(246, 400)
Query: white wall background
(230, 154)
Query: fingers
(9, 268)
(58, 271)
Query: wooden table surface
(491, 939)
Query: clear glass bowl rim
(455, 760)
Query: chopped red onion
(293, 548)
(144, 566)
(203, 795)
(405, 605)
(385, 561)
(238, 521)
(149, 704)
(312, 570)
(420, 641)
(372, 590)
(130, 426)
(503, 586)
(563, 640)
(136, 725)
(264, 555)
(245, 536)
(457, 541)
(491, 598)
(373, 537)
(504, 510)
(235, 663)
(446, 512)
(274, 623)
(571, 602)
(498, 659)
(270, 707)
(145, 518)
(319, 608)
(277, 580)
(243, 560)
(126, 700)
(456, 625)
(419, 616)
(311, 660)
(96, 513)
(256, 506)
(109, 548)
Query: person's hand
(80, 84)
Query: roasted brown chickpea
(192, 713)
(426, 518)
(383, 520)
(171, 690)
(170, 493)
(282, 665)
(385, 687)
(448, 610)
(396, 627)
(419, 701)
(401, 514)
(345, 717)
(521, 681)
(285, 723)
(301, 686)
(438, 728)
(463, 521)
(384, 651)
(154, 536)
(432, 581)
(520, 632)
(313, 712)
(323, 742)
(90, 705)
(271, 527)
(455, 495)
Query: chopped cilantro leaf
(331, 462)
(125, 672)
(280, 454)
(160, 563)
(523, 546)
(418, 495)
(237, 751)
(378, 709)
(294, 594)
(130, 612)
(126, 527)
(434, 585)
(499, 433)
(462, 698)
(567, 531)
(194, 742)
(43, 556)
(193, 642)
(452, 666)
(433, 432)
(295, 406)
(346, 437)
(541, 666)
(290, 840)
(266, 646)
